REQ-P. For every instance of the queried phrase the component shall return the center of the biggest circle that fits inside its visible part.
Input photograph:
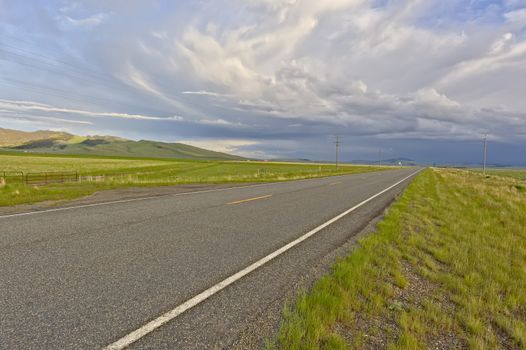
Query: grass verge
(445, 269)
(110, 173)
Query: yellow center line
(250, 199)
(335, 183)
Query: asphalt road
(83, 278)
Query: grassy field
(99, 173)
(516, 173)
(446, 269)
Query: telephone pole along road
(193, 270)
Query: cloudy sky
(422, 79)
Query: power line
(52, 61)
(485, 153)
(67, 95)
(52, 67)
(337, 142)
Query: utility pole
(337, 143)
(379, 156)
(485, 153)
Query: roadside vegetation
(99, 173)
(446, 269)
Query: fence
(12, 176)
(51, 177)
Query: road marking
(334, 183)
(163, 196)
(133, 200)
(250, 199)
(190, 303)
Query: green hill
(63, 143)
(10, 138)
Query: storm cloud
(274, 78)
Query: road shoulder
(266, 324)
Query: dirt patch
(416, 292)
(505, 340)
(369, 332)
(378, 332)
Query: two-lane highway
(189, 270)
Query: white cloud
(91, 21)
(205, 93)
(39, 118)
(517, 17)
(28, 106)
(377, 73)
(231, 146)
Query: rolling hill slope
(10, 138)
(64, 143)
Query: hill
(392, 161)
(10, 138)
(64, 143)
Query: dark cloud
(273, 77)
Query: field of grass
(516, 173)
(446, 269)
(109, 173)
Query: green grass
(445, 269)
(99, 173)
(516, 173)
(108, 146)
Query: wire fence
(51, 177)
(11, 176)
(54, 177)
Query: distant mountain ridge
(45, 141)
(392, 161)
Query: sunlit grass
(517, 173)
(445, 269)
(83, 165)
(108, 173)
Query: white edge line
(190, 303)
(161, 196)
